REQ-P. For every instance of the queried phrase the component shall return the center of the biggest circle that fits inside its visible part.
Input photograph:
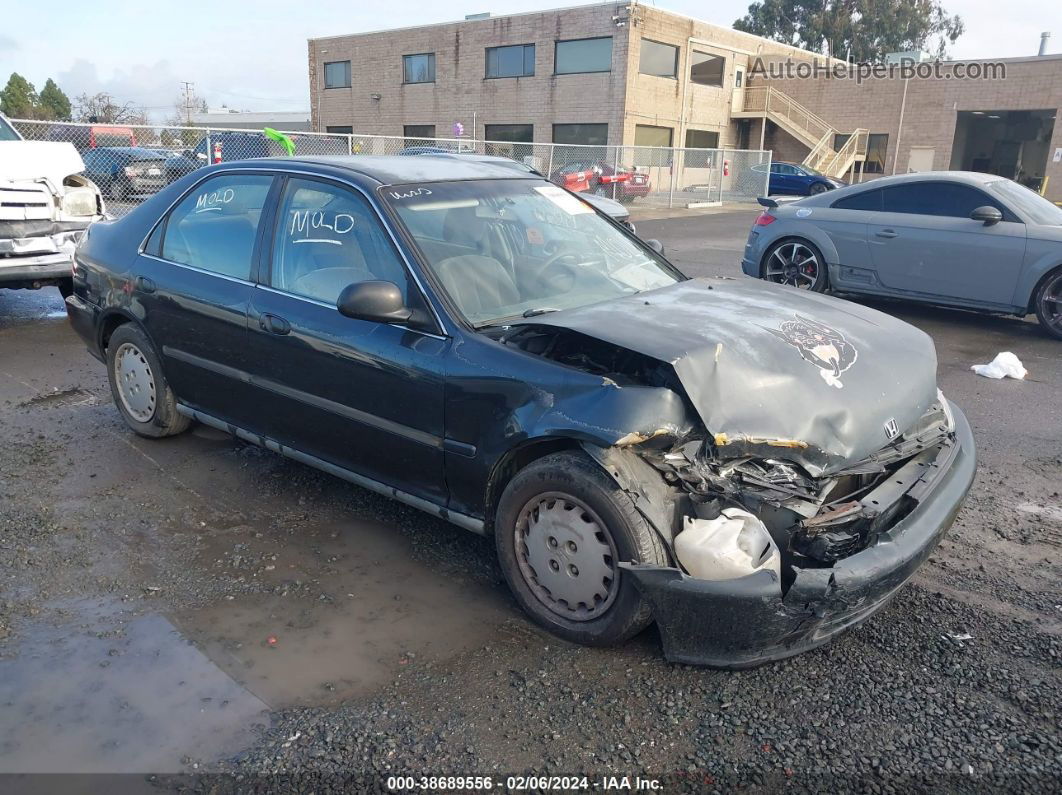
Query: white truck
(45, 205)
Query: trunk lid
(775, 371)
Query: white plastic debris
(735, 544)
(1005, 365)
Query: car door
(191, 286)
(924, 241)
(360, 395)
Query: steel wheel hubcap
(794, 264)
(1051, 302)
(566, 556)
(136, 382)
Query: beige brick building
(625, 74)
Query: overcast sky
(253, 56)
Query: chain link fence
(131, 162)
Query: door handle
(887, 233)
(274, 324)
(144, 284)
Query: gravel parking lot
(200, 605)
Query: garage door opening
(1010, 143)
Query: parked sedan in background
(964, 239)
(566, 391)
(791, 179)
(603, 179)
(125, 172)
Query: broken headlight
(79, 202)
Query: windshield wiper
(538, 311)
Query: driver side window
(327, 238)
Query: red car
(604, 179)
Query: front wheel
(1049, 304)
(797, 263)
(138, 386)
(563, 527)
(817, 188)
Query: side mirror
(656, 246)
(989, 215)
(380, 302)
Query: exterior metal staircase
(765, 102)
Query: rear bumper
(746, 622)
(83, 316)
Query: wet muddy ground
(197, 604)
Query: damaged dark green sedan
(753, 467)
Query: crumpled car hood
(30, 160)
(775, 371)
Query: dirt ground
(200, 606)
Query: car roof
(973, 178)
(396, 169)
(125, 150)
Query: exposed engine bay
(814, 521)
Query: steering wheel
(564, 264)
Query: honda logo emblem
(892, 430)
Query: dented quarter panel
(758, 392)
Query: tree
(102, 108)
(855, 30)
(53, 103)
(19, 98)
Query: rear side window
(864, 200)
(327, 238)
(215, 226)
(949, 199)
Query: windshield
(7, 132)
(506, 249)
(1030, 204)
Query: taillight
(765, 218)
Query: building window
(418, 134)
(583, 55)
(587, 134)
(660, 60)
(648, 135)
(707, 69)
(515, 61)
(343, 129)
(877, 148)
(418, 68)
(700, 139)
(509, 140)
(337, 74)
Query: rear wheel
(818, 187)
(1049, 304)
(140, 391)
(795, 262)
(563, 526)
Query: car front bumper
(38, 259)
(746, 622)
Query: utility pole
(189, 94)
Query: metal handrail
(853, 147)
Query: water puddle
(117, 697)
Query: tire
(1048, 304)
(786, 263)
(818, 188)
(570, 486)
(146, 402)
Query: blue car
(796, 180)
